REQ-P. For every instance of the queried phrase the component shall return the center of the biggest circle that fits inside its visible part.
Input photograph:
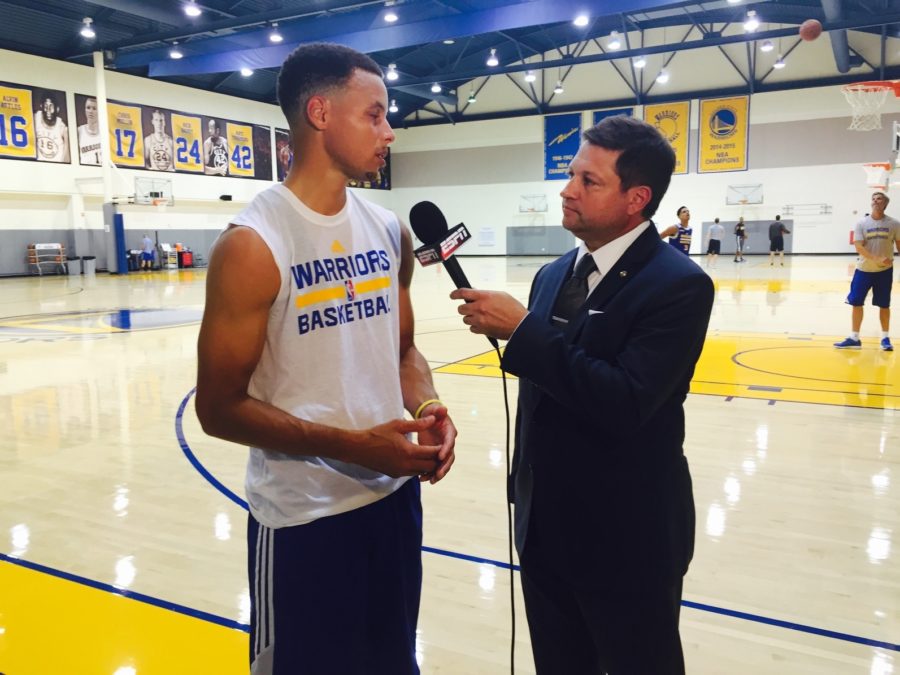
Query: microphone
(440, 243)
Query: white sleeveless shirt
(332, 351)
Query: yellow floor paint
(52, 626)
(774, 367)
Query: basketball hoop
(878, 175)
(866, 100)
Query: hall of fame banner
(160, 139)
(724, 131)
(674, 122)
(562, 137)
(600, 115)
(33, 124)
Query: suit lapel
(627, 266)
(555, 275)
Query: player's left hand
(443, 433)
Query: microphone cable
(509, 523)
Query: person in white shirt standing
(306, 354)
(874, 238)
(714, 248)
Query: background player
(680, 235)
(875, 238)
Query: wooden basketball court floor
(122, 546)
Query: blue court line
(140, 597)
(756, 618)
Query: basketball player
(874, 238)
(50, 130)
(306, 354)
(215, 151)
(777, 230)
(89, 152)
(680, 235)
(159, 148)
(714, 248)
(285, 156)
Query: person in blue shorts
(875, 238)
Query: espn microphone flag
(429, 254)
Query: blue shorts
(339, 595)
(146, 257)
(879, 282)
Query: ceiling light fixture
(492, 59)
(175, 52)
(767, 46)
(449, 41)
(558, 89)
(191, 9)
(390, 15)
(640, 62)
(581, 20)
(435, 88)
(393, 107)
(392, 73)
(614, 42)
(663, 76)
(779, 63)
(275, 36)
(530, 76)
(733, 2)
(752, 21)
(246, 72)
(86, 30)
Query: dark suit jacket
(598, 464)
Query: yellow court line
(775, 368)
(47, 324)
(52, 625)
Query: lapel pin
(623, 274)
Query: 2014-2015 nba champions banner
(724, 134)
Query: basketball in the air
(810, 29)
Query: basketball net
(866, 100)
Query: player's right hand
(386, 448)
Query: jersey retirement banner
(673, 122)
(240, 140)
(723, 134)
(188, 143)
(16, 123)
(126, 137)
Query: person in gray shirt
(875, 238)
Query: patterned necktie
(574, 292)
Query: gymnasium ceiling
(703, 46)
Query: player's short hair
(680, 209)
(317, 68)
(646, 159)
(887, 200)
(717, 221)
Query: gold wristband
(424, 405)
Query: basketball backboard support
(155, 191)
